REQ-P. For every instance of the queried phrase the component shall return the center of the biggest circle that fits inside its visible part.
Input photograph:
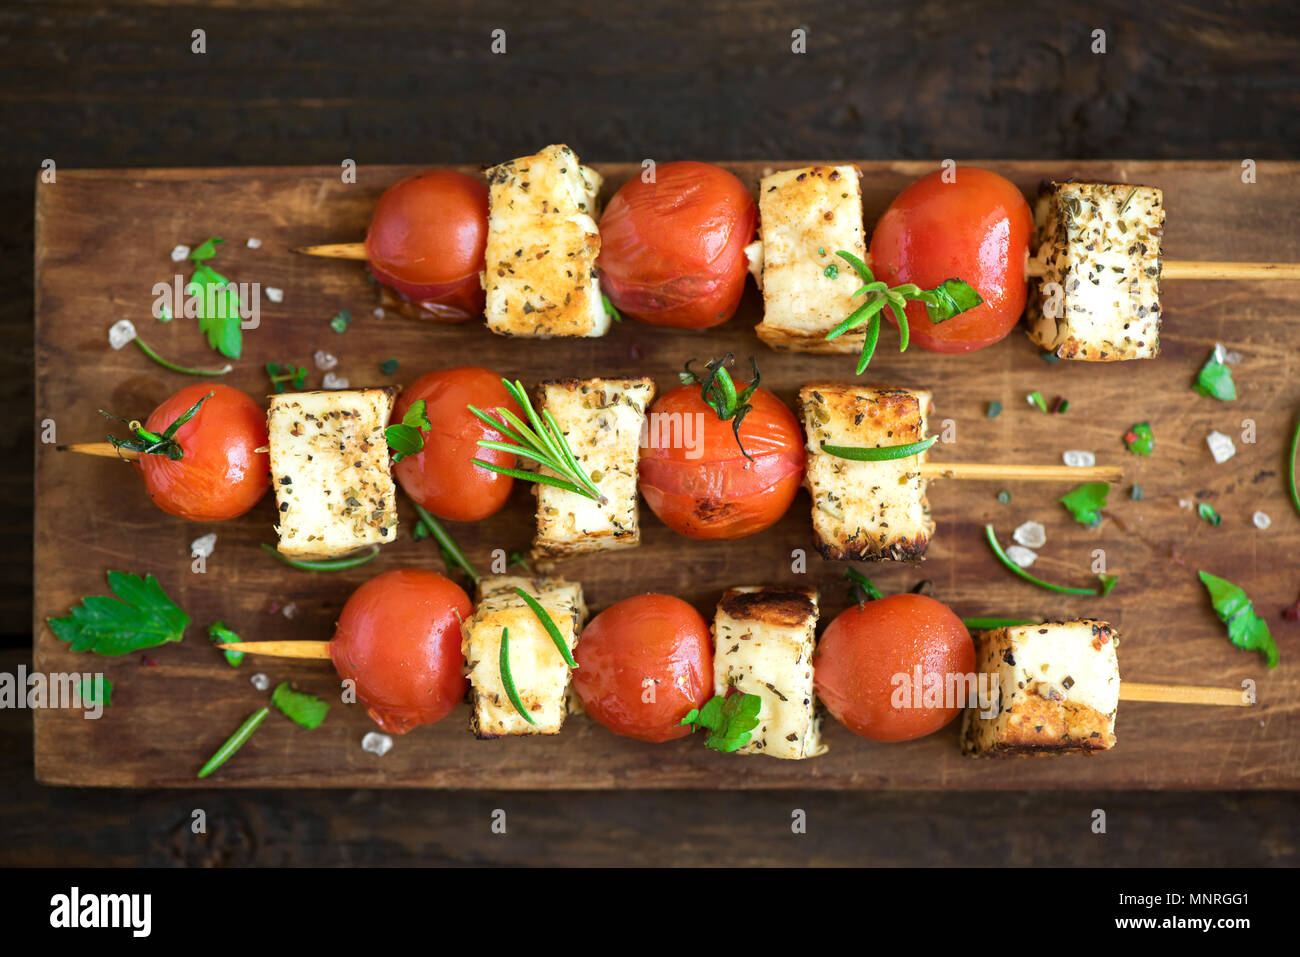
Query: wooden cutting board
(103, 239)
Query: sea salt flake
(1021, 556)
(1185, 503)
(260, 681)
(202, 547)
(1076, 459)
(379, 312)
(1031, 535)
(1221, 447)
(274, 294)
(325, 360)
(290, 610)
(254, 243)
(180, 254)
(122, 332)
(332, 381)
(376, 743)
(1261, 520)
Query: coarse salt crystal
(1021, 556)
(290, 609)
(202, 547)
(332, 381)
(1221, 447)
(274, 294)
(1232, 357)
(1261, 520)
(325, 360)
(379, 312)
(1219, 352)
(1078, 459)
(122, 332)
(1031, 535)
(376, 743)
(180, 253)
(1185, 503)
(254, 243)
(260, 681)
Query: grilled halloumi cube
(1057, 689)
(542, 245)
(866, 511)
(1100, 244)
(763, 644)
(805, 217)
(538, 670)
(329, 464)
(602, 420)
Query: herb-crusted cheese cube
(1101, 244)
(806, 216)
(602, 420)
(538, 670)
(542, 245)
(866, 511)
(763, 644)
(329, 465)
(1057, 689)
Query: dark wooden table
(90, 85)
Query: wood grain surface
(103, 239)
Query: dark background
(114, 85)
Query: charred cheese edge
(540, 267)
(1057, 689)
(866, 511)
(763, 644)
(1101, 244)
(602, 420)
(540, 674)
(330, 468)
(806, 216)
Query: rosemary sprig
(881, 454)
(451, 552)
(324, 564)
(540, 441)
(1107, 583)
(508, 681)
(235, 741)
(950, 298)
(988, 624)
(861, 588)
(174, 367)
(151, 443)
(718, 391)
(1295, 449)
(548, 623)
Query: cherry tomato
(398, 638)
(220, 474)
(442, 476)
(865, 647)
(672, 252)
(976, 229)
(427, 240)
(697, 480)
(643, 664)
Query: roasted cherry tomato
(427, 240)
(672, 252)
(643, 664)
(976, 229)
(398, 638)
(695, 478)
(868, 649)
(442, 477)
(220, 474)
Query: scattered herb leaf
(1207, 512)
(285, 375)
(1036, 398)
(388, 366)
(1086, 502)
(222, 635)
(298, 706)
(1215, 380)
(405, 438)
(610, 311)
(730, 720)
(995, 409)
(1004, 497)
(216, 302)
(1245, 629)
(235, 741)
(1139, 439)
(1136, 493)
(342, 319)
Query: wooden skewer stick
(1022, 473)
(335, 251)
(1188, 269)
(281, 649)
(101, 449)
(1182, 694)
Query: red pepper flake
(1292, 612)
(1062, 403)
(275, 606)
(1130, 436)
(146, 660)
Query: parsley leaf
(95, 692)
(1139, 439)
(217, 302)
(950, 298)
(141, 616)
(610, 311)
(405, 439)
(1215, 379)
(299, 707)
(730, 720)
(1086, 502)
(1245, 629)
(342, 319)
(1207, 512)
(861, 588)
(219, 634)
(282, 375)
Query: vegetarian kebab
(674, 244)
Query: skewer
(1022, 473)
(102, 449)
(335, 251)
(1182, 694)
(1191, 269)
(281, 649)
